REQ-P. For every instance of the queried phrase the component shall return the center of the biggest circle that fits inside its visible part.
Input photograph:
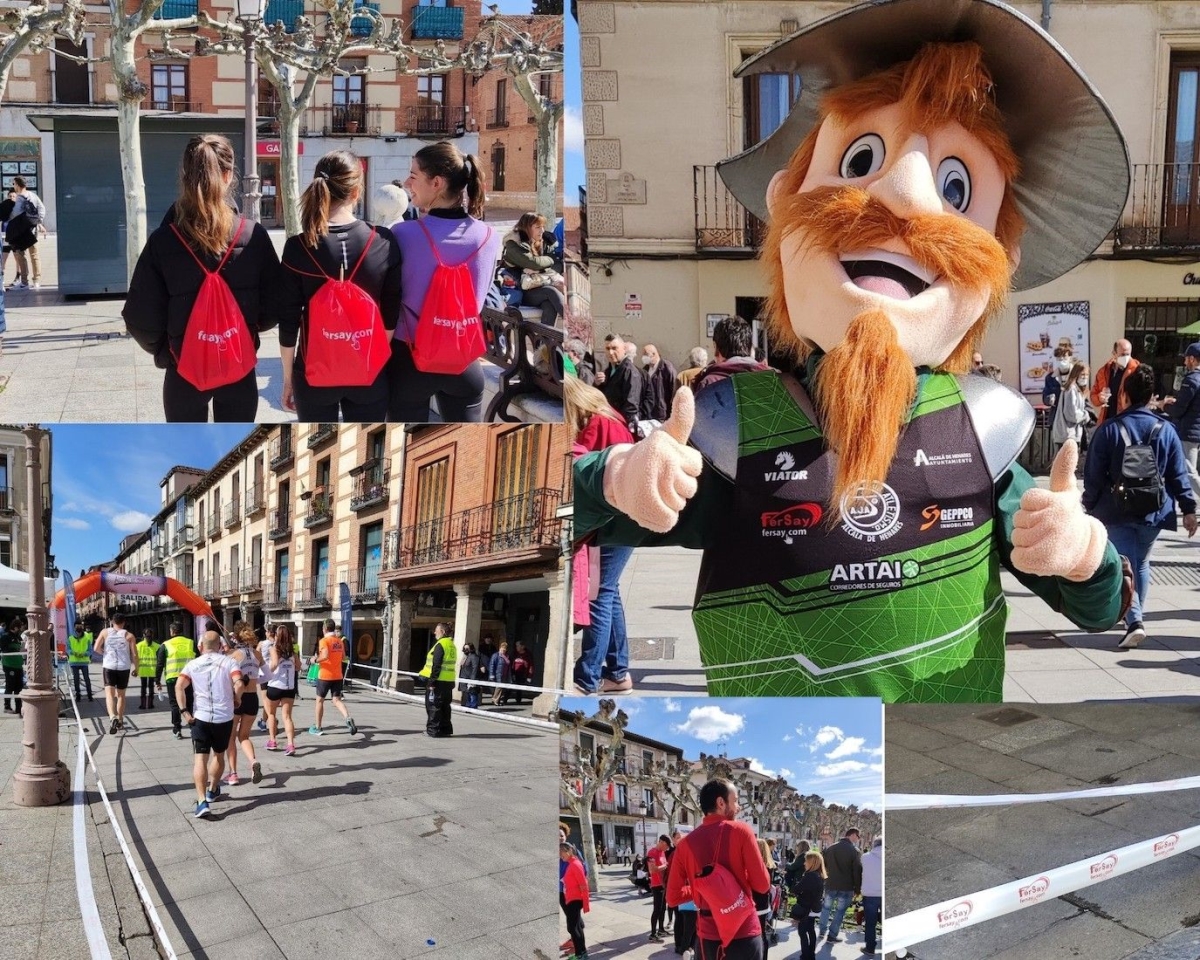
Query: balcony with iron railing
(522, 524)
(172, 105)
(497, 118)
(722, 223)
(1164, 213)
(365, 586)
(320, 434)
(436, 23)
(345, 120)
(435, 120)
(256, 499)
(251, 577)
(214, 524)
(285, 12)
(229, 584)
(279, 526)
(319, 510)
(233, 513)
(176, 9)
(276, 596)
(8, 500)
(281, 451)
(314, 593)
(183, 539)
(370, 484)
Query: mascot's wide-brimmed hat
(1074, 163)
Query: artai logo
(1105, 867)
(1034, 891)
(1166, 846)
(954, 916)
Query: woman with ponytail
(448, 188)
(202, 235)
(341, 279)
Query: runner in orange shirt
(330, 654)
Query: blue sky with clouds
(830, 747)
(105, 480)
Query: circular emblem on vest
(873, 516)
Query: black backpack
(1139, 491)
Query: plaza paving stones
(935, 855)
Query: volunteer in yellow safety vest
(439, 674)
(147, 653)
(172, 657)
(79, 656)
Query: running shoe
(262, 724)
(1134, 636)
(272, 745)
(316, 731)
(290, 751)
(256, 772)
(231, 779)
(211, 796)
(178, 735)
(352, 725)
(201, 809)
(112, 725)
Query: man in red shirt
(656, 863)
(720, 838)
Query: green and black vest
(901, 597)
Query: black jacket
(843, 863)
(810, 892)
(659, 391)
(167, 280)
(622, 388)
(1185, 411)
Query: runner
(331, 652)
(217, 682)
(264, 657)
(173, 656)
(281, 688)
(246, 657)
(115, 644)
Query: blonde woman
(810, 894)
(1071, 410)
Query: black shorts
(329, 688)
(248, 706)
(274, 694)
(211, 737)
(116, 678)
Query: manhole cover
(1033, 640)
(651, 648)
(1008, 717)
(1181, 574)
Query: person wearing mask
(116, 646)
(810, 893)
(603, 664)
(449, 189)
(656, 864)
(1184, 411)
(1106, 388)
(467, 673)
(576, 900)
(27, 220)
(720, 838)
(1071, 411)
(498, 672)
(659, 379)
(217, 685)
(734, 340)
(284, 665)
(439, 682)
(843, 864)
(173, 656)
(147, 663)
(523, 254)
(622, 382)
(1060, 369)
(872, 894)
(336, 245)
(1133, 534)
(79, 656)
(201, 234)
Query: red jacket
(603, 432)
(1101, 382)
(575, 884)
(738, 852)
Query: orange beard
(864, 389)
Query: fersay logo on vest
(873, 574)
(786, 464)
(923, 459)
(872, 516)
(793, 521)
(950, 518)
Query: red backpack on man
(217, 346)
(721, 893)
(347, 344)
(449, 334)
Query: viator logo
(786, 464)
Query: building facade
(14, 503)
(672, 251)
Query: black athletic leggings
(660, 910)
(459, 397)
(354, 404)
(748, 948)
(234, 403)
(574, 912)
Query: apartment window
(237, 489)
(432, 482)
(349, 96)
(235, 555)
(168, 85)
(375, 452)
(323, 475)
(256, 557)
(431, 88)
(372, 554)
(501, 100)
(320, 554)
(587, 745)
(281, 574)
(72, 78)
(8, 498)
(515, 477)
(216, 506)
(200, 584)
(767, 98)
(285, 499)
(648, 800)
(546, 85)
(6, 553)
(1181, 219)
(622, 797)
(216, 572)
(498, 167)
(647, 761)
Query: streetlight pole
(43, 779)
(250, 15)
(645, 849)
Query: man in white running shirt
(216, 683)
(116, 645)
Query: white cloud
(847, 748)
(877, 767)
(671, 706)
(877, 752)
(759, 768)
(787, 737)
(786, 773)
(711, 723)
(825, 736)
(573, 132)
(131, 521)
(841, 768)
(72, 523)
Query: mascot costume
(855, 509)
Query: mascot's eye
(954, 183)
(863, 157)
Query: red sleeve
(681, 869)
(589, 436)
(754, 870)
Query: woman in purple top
(439, 178)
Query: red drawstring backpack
(217, 347)
(347, 344)
(728, 903)
(449, 334)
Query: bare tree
(582, 775)
(673, 789)
(501, 46)
(29, 28)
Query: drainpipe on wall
(1046, 15)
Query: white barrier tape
(456, 708)
(927, 923)
(914, 801)
(143, 894)
(474, 683)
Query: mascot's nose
(908, 188)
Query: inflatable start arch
(124, 583)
